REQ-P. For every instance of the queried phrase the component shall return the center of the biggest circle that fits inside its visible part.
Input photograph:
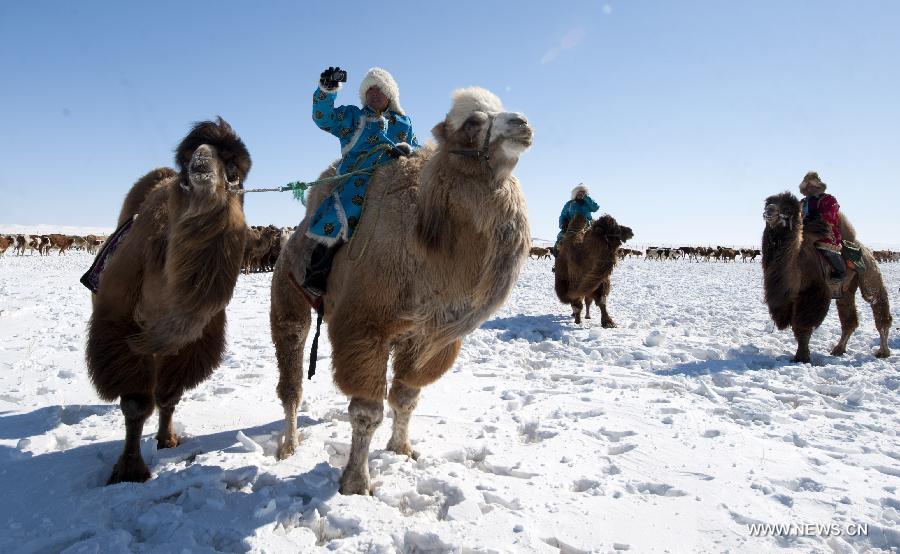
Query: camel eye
(231, 173)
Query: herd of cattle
(260, 253)
(44, 243)
(701, 253)
(265, 243)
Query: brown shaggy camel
(158, 324)
(794, 279)
(438, 248)
(587, 256)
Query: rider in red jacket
(821, 208)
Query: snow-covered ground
(673, 432)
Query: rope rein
(299, 188)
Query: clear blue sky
(681, 116)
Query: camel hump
(141, 189)
(578, 222)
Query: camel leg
(881, 310)
(846, 306)
(365, 417)
(809, 310)
(130, 466)
(403, 400)
(577, 305)
(802, 336)
(165, 436)
(587, 307)
(360, 371)
(290, 320)
(875, 293)
(410, 376)
(600, 296)
(605, 320)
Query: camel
(158, 322)
(438, 249)
(587, 256)
(794, 279)
(539, 252)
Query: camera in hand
(338, 76)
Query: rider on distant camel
(580, 203)
(369, 136)
(820, 208)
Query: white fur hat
(579, 188)
(812, 184)
(377, 77)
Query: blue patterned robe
(360, 130)
(571, 209)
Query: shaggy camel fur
(439, 247)
(587, 256)
(794, 279)
(158, 324)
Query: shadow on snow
(66, 490)
(533, 328)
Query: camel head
(608, 230)
(478, 130)
(212, 160)
(782, 212)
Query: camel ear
(440, 132)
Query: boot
(315, 282)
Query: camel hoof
(353, 483)
(577, 320)
(403, 449)
(610, 324)
(883, 353)
(129, 472)
(836, 351)
(286, 450)
(798, 359)
(167, 442)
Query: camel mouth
(523, 136)
(524, 141)
(202, 168)
(773, 217)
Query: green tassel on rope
(299, 190)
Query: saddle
(91, 278)
(852, 254)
